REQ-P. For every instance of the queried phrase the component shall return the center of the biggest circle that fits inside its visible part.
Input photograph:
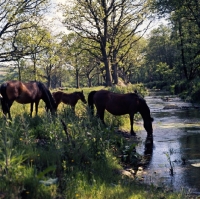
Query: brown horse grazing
(68, 98)
(25, 93)
(121, 104)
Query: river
(173, 159)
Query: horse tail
(48, 99)
(4, 98)
(1, 96)
(3, 90)
(91, 101)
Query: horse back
(22, 92)
(66, 98)
(116, 103)
(69, 98)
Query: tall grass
(67, 156)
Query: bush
(157, 85)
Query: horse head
(148, 126)
(82, 97)
(50, 103)
(47, 98)
(146, 116)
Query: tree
(15, 16)
(160, 47)
(186, 36)
(189, 9)
(104, 22)
(74, 54)
(132, 61)
(50, 59)
(36, 40)
(160, 54)
(184, 16)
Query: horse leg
(100, 115)
(8, 105)
(9, 115)
(36, 107)
(73, 108)
(31, 110)
(131, 122)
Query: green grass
(84, 165)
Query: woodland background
(103, 42)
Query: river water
(173, 158)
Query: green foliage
(188, 90)
(192, 91)
(130, 88)
(156, 85)
(129, 155)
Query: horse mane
(48, 99)
(77, 92)
(144, 109)
(136, 94)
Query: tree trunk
(108, 71)
(19, 70)
(115, 67)
(48, 81)
(115, 74)
(98, 79)
(89, 82)
(182, 50)
(77, 79)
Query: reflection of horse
(120, 104)
(25, 93)
(148, 151)
(68, 98)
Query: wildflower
(27, 192)
(77, 195)
(20, 139)
(72, 160)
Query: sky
(57, 27)
(55, 15)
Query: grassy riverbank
(69, 156)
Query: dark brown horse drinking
(68, 98)
(25, 93)
(121, 104)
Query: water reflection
(148, 149)
(191, 153)
(176, 132)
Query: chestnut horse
(25, 93)
(68, 98)
(121, 104)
